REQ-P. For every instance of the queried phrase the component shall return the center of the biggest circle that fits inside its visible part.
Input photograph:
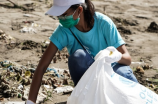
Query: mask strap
(74, 12)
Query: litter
(52, 69)
(64, 89)
(30, 29)
(27, 15)
(20, 87)
(27, 29)
(48, 86)
(137, 63)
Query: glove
(29, 102)
(114, 55)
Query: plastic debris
(28, 29)
(16, 80)
(27, 15)
(54, 70)
(65, 89)
(20, 87)
(27, 74)
(140, 70)
(48, 86)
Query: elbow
(126, 59)
(129, 61)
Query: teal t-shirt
(103, 34)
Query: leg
(78, 63)
(124, 71)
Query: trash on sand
(27, 29)
(140, 70)
(27, 74)
(153, 27)
(30, 29)
(35, 25)
(1, 32)
(47, 86)
(137, 62)
(54, 71)
(6, 64)
(65, 89)
(27, 15)
(20, 87)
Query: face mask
(68, 21)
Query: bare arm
(41, 68)
(126, 58)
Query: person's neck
(82, 25)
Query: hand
(114, 55)
(29, 102)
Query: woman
(94, 30)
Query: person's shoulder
(60, 28)
(103, 18)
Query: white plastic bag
(101, 85)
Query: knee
(125, 71)
(77, 58)
(80, 57)
(77, 55)
(78, 63)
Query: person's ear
(80, 9)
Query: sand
(132, 18)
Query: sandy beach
(136, 21)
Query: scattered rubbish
(45, 44)
(140, 63)
(140, 70)
(54, 71)
(19, 95)
(35, 25)
(32, 70)
(51, 69)
(27, 74)
(30, 29)
(27, 21)
(146, 66)
(27, 15)
(1, 32)
(48, 86)
(6, 38)
(151, 85)
(6, 64)
(65, 89)
(16, 80)
(153, 27)
(20, 87)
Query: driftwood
(24, 8)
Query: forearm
(41, 68)
(126, 59)
(36, 83)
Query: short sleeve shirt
(103, 34)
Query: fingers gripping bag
(101, 85)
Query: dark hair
(88, 10)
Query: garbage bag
(101, 85)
